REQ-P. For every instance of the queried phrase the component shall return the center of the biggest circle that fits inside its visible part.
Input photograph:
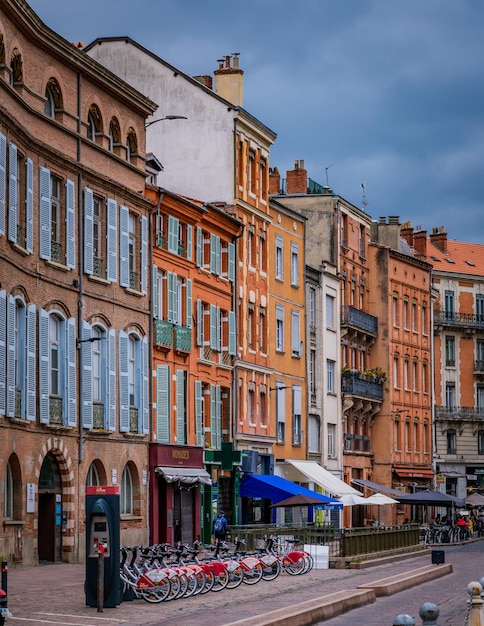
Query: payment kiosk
(102, 546)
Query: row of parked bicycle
(165, 572)
(430, 534)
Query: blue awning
(276, 489)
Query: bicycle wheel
(209, 581)
(253, 575)
(271, 572)
(296, 568)
(308, 563)
(156, 594)
(221, 581)
(236, 576)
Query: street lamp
(282, 387)
(167, 117)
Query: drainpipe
(80, 263)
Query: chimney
(420, 242)
(297, 179)
(228, 79)
(439, 238)
(406, 232)
(205, 80)
(274, 181)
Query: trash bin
(438, 557)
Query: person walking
(220, 527)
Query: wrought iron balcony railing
(183, 338)
(459, 412)
(163, 333)
(359, 385)
(359, 320)
(458, 320)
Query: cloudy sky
(384, 93)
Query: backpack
(218, 526)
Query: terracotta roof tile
(461, 257)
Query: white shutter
(86, 367)
(144, 253)
(3, 181)
(162, 403)
(112, 272)
(3, 349)
(88, 231)
(44, 213)
(189, 303)
(11, 339)
(145, 398)
(123, 383)
(71, 391)
(70, 224)
(123, 246)
(12, 192)
(29, 206)
(180, 408)
(31, 362)
(199, 413)
(111, 399)
(44, 366)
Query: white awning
(329, 483)
(186, 475)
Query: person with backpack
(220, 527)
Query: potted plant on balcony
(376, 375)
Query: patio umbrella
(301, 500)
(380, 499)
(350, 499)
(475, 499)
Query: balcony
(459, 413)
(458, 320)
(479, 368)
(359, 321)
(183, 338)
(362, 385)
(163, 333)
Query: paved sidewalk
(54, 594)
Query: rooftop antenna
(364, 201)
(327, 179)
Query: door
(47, 527)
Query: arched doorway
(50, 511)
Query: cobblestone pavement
(54, 594)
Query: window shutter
(213, 418)
(213, 253)
(297, 400)
(231, 262)
(172, 300)
(144, 254)
(189, 303)
(162, 403)
(11, 306)
(199, 248)
(44, 213)
(112, 241)
(3, 181)
(145, 398)
(123, 246)
(44, 366)
(173, 225)
(86, 366)
(218, 256)
(71, 372)
(3, 349)
(31, 362)
(12, 192)
(232, 333)
(88, 231)
(198, 413)
(180, 408)
(281, 403)
(199, 323)
(123, 383)
(296, 335)
(189, 242)
(29, 206)
(70, 225)
(213, 327)
(154, 291)
(111, 399)
(218, 416)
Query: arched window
(94, 123)
(12, 509)
(131, 144)
(53, 98)
(92, 478)
(2, 49)
(114, 134)
(16, 67)
(126, 494)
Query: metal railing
(445, 318)
(360, 386)
(360, 320)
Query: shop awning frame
(377, 488)
(185, 475)
(276, 488)
(330, 483)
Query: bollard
(100, 580)
(403, 620)
(474, 589)
(429, 613)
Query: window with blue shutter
(71, 391)
(181, 432)
(3, 181)
(199, 248)
(188, 303)
(144, 254)
(189, 242)
(112, 273)
(199, 323)
(123, 382)
(44, 403)
(199, 434)
(163, 404)
(70, 225)
(45, 228)
(232, 333)
(12, 192)
(213, 327)
(112, 380)
(145, 398)
(173, 226)
(86, 367)
(123, 246)
(11, 353)
(3, 349)
(31, 381)
(231, 262)
(29, 206)
(88, 231)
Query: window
(19, 197)
(424, 319)
(262, 330)
(133, 383)
(181, 381)
(449, 350)
(414, 375)
(279, 328)
(294, 264)
(280, 412)
(262, 251)
(313, 434)
(331, 440)
(407, 436)
(312, 309)
(57, 368)
(296, 334)
(252, 172)
(98, 237)
(163, 404)
(114, 135)
(425, 386)
(405, 313)
(296, 415)
(344, 230)
(251, 333)
(126, 493)
(480, 308)
(480, 442)
(312, 373)
(92, 477)
(414, 316)
(9, 494)
(330, 370)
(416, 446)
(449, 305)
(426, 440)
(279, 258)
(361, 241)
(263, 179)
(450, 395)
(480, 399)
(451, 441)
(405, 374)
(12, 504)
(53, 98)
(329, 312)
(262, 407)
(16, 68)
(479, 355)
(397, 435)
(395, 309)
(131, 145)
(251, 243)
(56, 219)
(133, 245)
(251, 417)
